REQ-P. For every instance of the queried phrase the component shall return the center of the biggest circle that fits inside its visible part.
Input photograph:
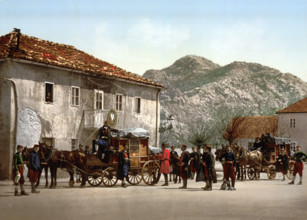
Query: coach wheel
(150, 172)
(94, 180)
(251, 173)
(271, 172)
(109, 177)
(134, 177)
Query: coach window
(49, 92)
(75, 96)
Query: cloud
(155, 35)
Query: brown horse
(241, 159)
(67, 160)
(26, 152)
(255, 161)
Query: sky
(141, 35)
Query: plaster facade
(293, 126)
(26, 117)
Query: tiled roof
(61, 55)
(255, 126)
(298, 107)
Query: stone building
(56, 93)
(292, 123)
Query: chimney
(18, 37)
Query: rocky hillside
(202, 93)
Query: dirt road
(261, 199)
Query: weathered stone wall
(60, 120)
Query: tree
(199, 134)
(234, 128)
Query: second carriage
(271, 148)
(144, 164)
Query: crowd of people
(188, 164)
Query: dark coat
(283, 161)
(210, 166)
(123, 165)
(34, 162)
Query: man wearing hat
(34, 168)
(184, 164)
(18, 177)
(299, 157)
(283, 162)
(229, 161)
(208, 164)
(164, 163)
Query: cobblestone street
(263, 199)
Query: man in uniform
(34, 168)
(229, 161)
(18, 171)
(283, 162)
(103, 142)
(164, 163)
(184, 164)
(123, 165)
(208, 163)
(299, 157)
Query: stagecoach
(144, 165)
(270, 149)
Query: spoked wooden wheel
(134, 177)
(150, 172)
(94, 180)
(251, 173)
(109, 177)
(271, 172)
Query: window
(137, 105)
(98, 99)
(49, 92)
(75, 96)
(292, 123)
(119, 99)
(74, 144)
(134, 146)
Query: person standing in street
(299, 157)
(208, 163)
(184, 164)
(229, 161)
(18, 177)
(34, 168)
(123, 165)
(164, 163)
(283, 162)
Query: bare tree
(234, 128)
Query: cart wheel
(150, 172)
(94, 180)
(271, 172)
(251, 172)
(290, 171)
(109, 177)
(134, 177)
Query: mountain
(202, 93)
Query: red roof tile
(298, 107)
(42, 51)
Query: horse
(241, 159)
(67, 160)
(175, 163)
(254, 160)
(26, 152)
